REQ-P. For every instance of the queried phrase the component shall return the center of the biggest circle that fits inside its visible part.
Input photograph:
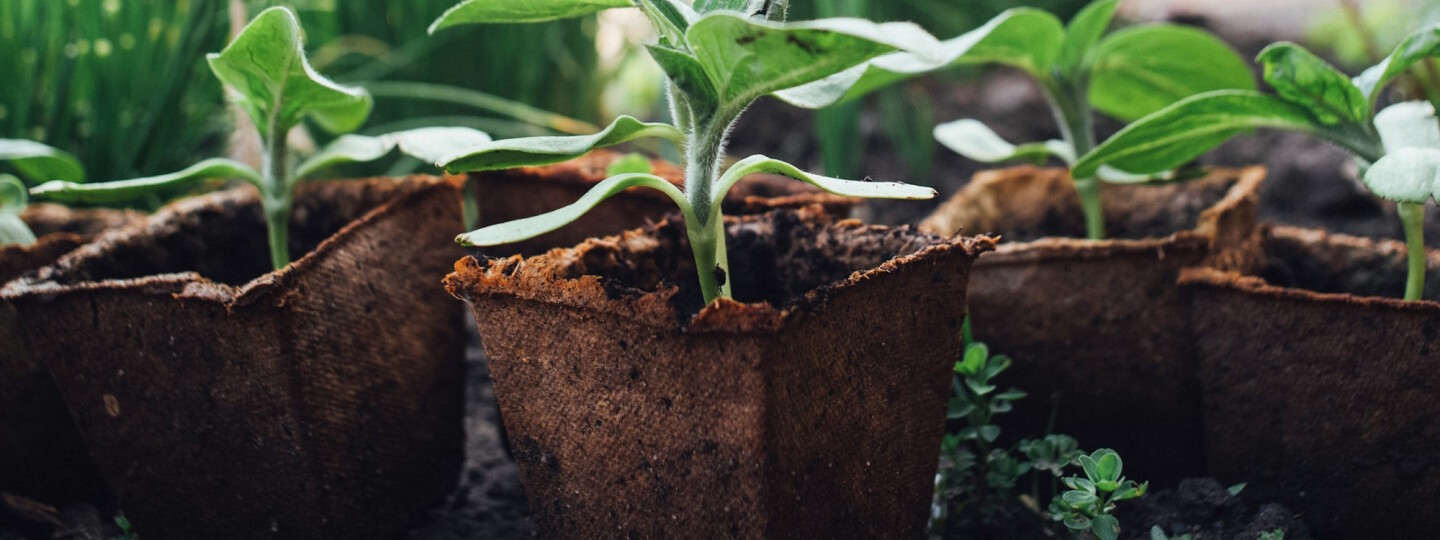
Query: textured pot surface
(1322, 389)
(1098, 330)
(224, 401)
(821, 418)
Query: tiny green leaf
(266, 64)
(13, 196)
(122, 191)
(1079, 498)
(1084, 31)
(1077, 522)
(426, 144)
(520, 11)
(974, 140)
(13, 199)
(989, 432)
(1105, 527)
(1142, 69)
(1022, 37)
(843, 188)
(1424, 43)
(980, 388)
(1406, 175)
(974, 360)
(686, 73)
(1305, 80)
(531, 227)
(630, 164)
(1235, 490)
(40, 163)
(997, 364)
(1107, 467)
(530, 151)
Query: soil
(1204, 509)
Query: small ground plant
(1126, 74)
(719, 57)
(1398, 147)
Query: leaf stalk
(275, 195)
(1412, 215)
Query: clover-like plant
(719, 57)
(267, 70)
(1398, 148)
(1089, 504)
(36, 163)
(1126, 74)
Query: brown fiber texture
(41, 454)
(1098, 330)
(811, 408)
(1321, 387)
(225, 401)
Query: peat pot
(1098, 329)
(222, 400)
(1322, 388)
(41, 454)
(812, 407)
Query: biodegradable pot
(224, 401)
(819, 419)
(528, 191)
(1321, 387)
(41, 454)
(1098, 329)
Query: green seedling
(1089, 505)
(1398, 147)
(1125, 74)
(1156, 533)
(267, 70)
(719, 57)
(36, 163)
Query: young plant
(36, 163)
(719, 57)
(1126, 74)
(267, 69)
(1398, 148)
(1089, 504)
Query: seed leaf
(844, 188)
(530, 151)
(1084, 31)
(13, 196)
(122, 191)
(40, 163)
(1142, 69)
(266, 64)
(1410, 124)
(1424, 43)
(1305, 80)
(1022, 37)
(520, 11)
(974, 140)
(1406, 175)
(426, 144)
(531, 227)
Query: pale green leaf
(13, 196)
(670, 17)
(40, 163)
(266, 64)
(1305, 80)
(1105, 527)
(426, 144)
(1142, 69)
(122, 191)
(1410, 124)
(1084, 31)
(531, 227)
(14, 231)
(1424, 43)
(630, 164)
(1117, 176)
(520, 11)
(530, 151)
(1406, 175)
(747, 58)
(844, 188)
(1023, 37)
(974, 140)
(706, 6)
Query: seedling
(275, 85)
(719, 57)
(1398, 148)
(1126, 75)
(1089, 505)
(36, 163)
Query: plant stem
(1090, 202)
(707, 234)
(470, 206)
(1413, 217)
(1072, 112)
(275, 197)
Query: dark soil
(1204, 509)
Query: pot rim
(192, 285)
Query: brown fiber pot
(1322, 388)
(41, 454)
(224, 401)
(1098, 330)
(528, 191)
(629, 417)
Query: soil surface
(1204, 509)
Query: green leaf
(1142, 69)
(1235, 490)
(843, 188)
(706, 6)
(1410, 124)
(976, 354)
(40, 163)
(1105, 527)
(13, 196)
(979, 387)
(1025, 38)
(266, 64)
(1010, 395)
(989, 432)
(1077, 523)
(426, 144)
(1084, 31)
(1305, 80)
(531, 227)
(997, 364)
(14, 231)
(1129, 490)
(520, 11)
(1177, 134)
(630, 164)
(1424, 43)
(122, 191)
(1107, 467)
(1079, 498)
(530, 151)
(1406, 175)
(746, 58)
(974, 140)
(686, 73)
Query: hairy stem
(1412, 215)
(707, 234)
(275, 196)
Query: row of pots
(323, 400)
